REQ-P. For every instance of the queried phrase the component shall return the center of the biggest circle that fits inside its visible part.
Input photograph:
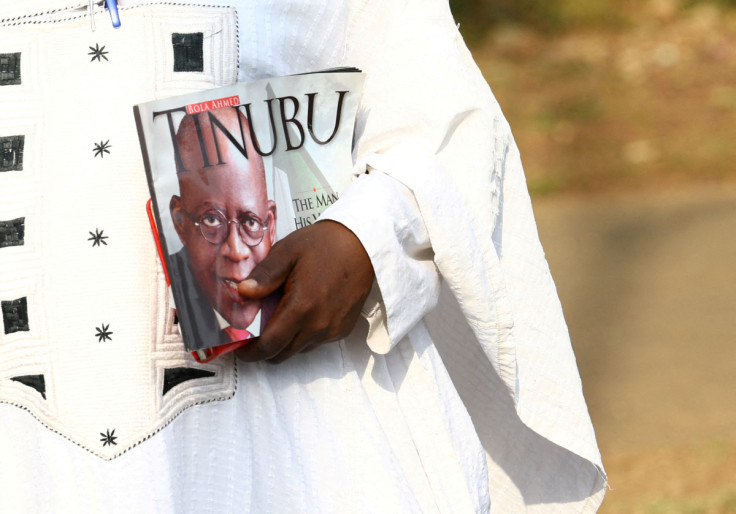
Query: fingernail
(249, 283)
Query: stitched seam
(10, 22)
(145, 437)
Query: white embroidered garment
(88, 337)
(92, 302)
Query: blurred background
(625, 114)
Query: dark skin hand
(326, 276)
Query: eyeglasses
(215, 227)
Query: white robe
(467, 349)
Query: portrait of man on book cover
(226, 224)
(231, 171)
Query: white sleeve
(430, 122)
(384, 216)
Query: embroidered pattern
(97, 238)
(98, 53)
(12, 232)
(103, 334)
(108, 437)
(15, 315)
(102, 148)
(188, 51)
(175, 376)
(11, 153)
(10, 69)
(132, 404)
(37, 382)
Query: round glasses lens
(213, 226)
(251, 230)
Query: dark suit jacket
(196, 314)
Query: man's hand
(326, 276)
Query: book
(231, 171)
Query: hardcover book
(231, 171)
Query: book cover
(231, 171)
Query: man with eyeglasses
(227, 225)
(462, 350)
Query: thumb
(267, 276)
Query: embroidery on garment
(175, 376)
(129, 407)
(11, 153)
(10, 69)
(103, 334)
(15, 315)
(102, 148)
(188, 51)
(37, 382)
(12, 232)
(97, 238)
(108, 437)
(98, 53)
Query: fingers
(326, 276)
(269, 274)
(258, 350)
(298, 327)
(301, 344)
(290, 330)
(280, 332)
(275, 349)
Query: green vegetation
(551, 16)
(475, 16)
(601, 98)
(718, 503)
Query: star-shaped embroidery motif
(103, 334)
(108, 437)
(98, 52)
(97, 238)
(102, 148)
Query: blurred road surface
(648, 286)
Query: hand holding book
(232, 171)
(326, 276)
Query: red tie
(237, 334)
